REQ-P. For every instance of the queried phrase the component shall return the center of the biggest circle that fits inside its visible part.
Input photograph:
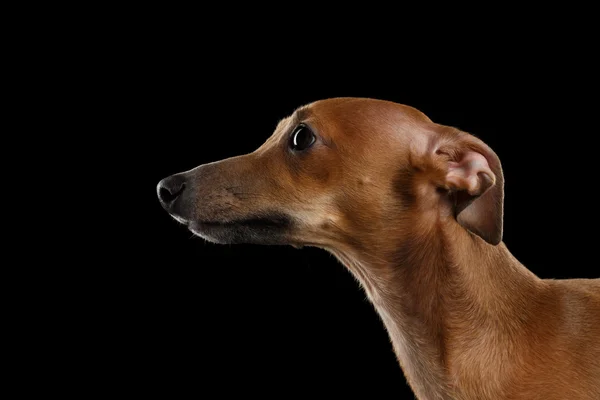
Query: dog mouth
(254, 223)
(268, 229)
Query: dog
(414, 209)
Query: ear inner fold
(477, 184)
(471, 174)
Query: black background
(165, 313)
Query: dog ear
(473, 175)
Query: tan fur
(467, 321)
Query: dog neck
(440, 299)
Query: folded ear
(476, 183)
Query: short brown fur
(414, 210)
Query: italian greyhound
(414, 209)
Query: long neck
(434, 297)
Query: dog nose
(169, 189)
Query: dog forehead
(362, 118)
(362, 108)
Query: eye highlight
(302, 138)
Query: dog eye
(302, 138)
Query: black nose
(169, 189)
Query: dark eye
(302, 138)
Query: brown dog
(414, 210)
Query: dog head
(344, 172)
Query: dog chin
(266, 231)
(209, 232)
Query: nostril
(168, 195)
(169, 189)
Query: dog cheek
(313, 168)
(320, 175)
